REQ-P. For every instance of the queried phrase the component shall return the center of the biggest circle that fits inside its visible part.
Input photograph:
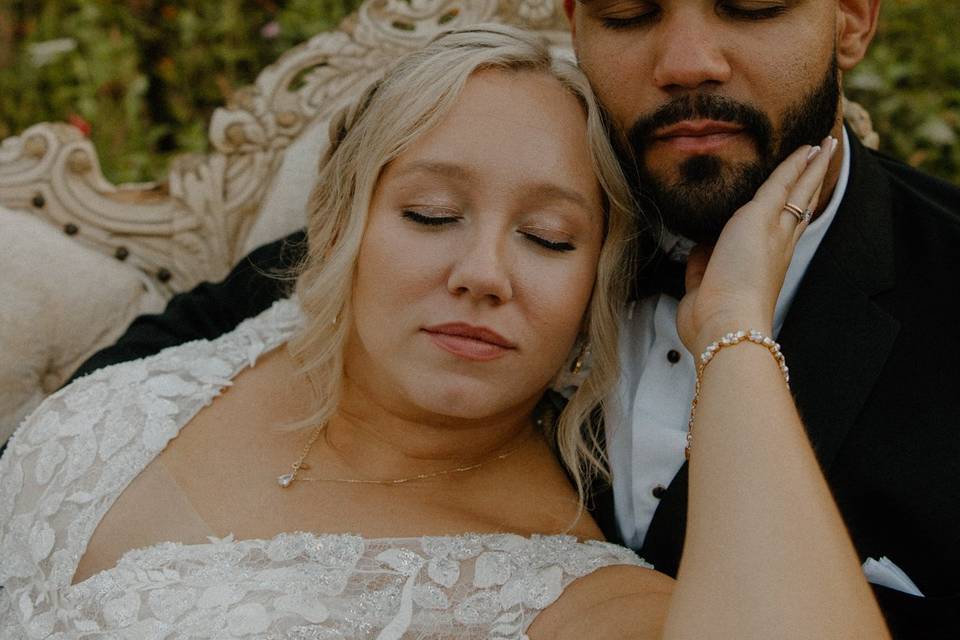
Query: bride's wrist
(715, 331)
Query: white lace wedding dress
(75, 455)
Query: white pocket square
(885, 573)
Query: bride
(369, 458)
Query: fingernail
(834, 143)
(813, 153)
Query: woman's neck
(377, 439)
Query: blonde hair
(413, 97)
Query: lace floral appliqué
(73, 457)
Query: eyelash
(431, 221)
(755, 14)
(437, 221)
(732, 11)
(629, 23)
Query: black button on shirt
(659, 491)
(673, 356)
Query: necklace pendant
(285, 480)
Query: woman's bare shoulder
(619, 601)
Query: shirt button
(659, 491)
(673, 356)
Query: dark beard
(709, 191)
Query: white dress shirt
(646, 419)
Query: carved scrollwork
(860, 123)
(414, 22)
(542, 15)
(52, 170)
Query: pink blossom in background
(270, 30)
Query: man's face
(710, 95)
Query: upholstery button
(659, 491)
(70, 229)
(164, 275)
(121, 254)
(39, 201)
(673, 356)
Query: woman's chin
(468, 401)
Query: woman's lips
(470, 342)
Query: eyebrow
(549, 191)
(543, 190)
(445, 169)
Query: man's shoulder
(928, 200)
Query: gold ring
(795, 211)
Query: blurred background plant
(910, 83)
(142, 77)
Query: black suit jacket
(873, 344)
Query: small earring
(582, 357)
(574, 370)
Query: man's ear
(856, 25)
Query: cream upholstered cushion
(59, 302)
(284, 209)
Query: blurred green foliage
(144, 76)
(910, 84)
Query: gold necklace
(288, 479)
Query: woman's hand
(734, 285)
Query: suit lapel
(836, 340)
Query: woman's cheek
(557, 306)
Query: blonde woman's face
(480, 254)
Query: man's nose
(481, 270)
(690, 53)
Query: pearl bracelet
(712, 349)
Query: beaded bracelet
(730, 340)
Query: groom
(707, 96)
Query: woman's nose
(481, 270)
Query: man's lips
(468, 341)
(697, 136)
(696, 129)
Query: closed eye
(432, 220)
(548, 244)
(629, 22)
(752, 11)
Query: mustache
(703, 107)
